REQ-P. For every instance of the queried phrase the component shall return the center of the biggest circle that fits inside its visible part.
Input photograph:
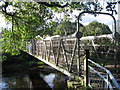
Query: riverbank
(19, 63)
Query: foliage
(30, 19)
(65, 28)
(95, 28)
(19, 62)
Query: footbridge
(76, 56)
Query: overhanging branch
(53, 4)
(4, 11)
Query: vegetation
(28, 19)
(65, 28)
(22, 62)
(95, 28)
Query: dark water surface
(34, 80)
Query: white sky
(100, 18)
(2, 21)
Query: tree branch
(4, 11)
(53, 4)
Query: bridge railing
(60, 51)
(102, 49)
(100, 77)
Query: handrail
(110, 86)
(108, 72)
(82, 38)
(97, 37)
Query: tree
(95, 28)
(30, 19)
(65, 28)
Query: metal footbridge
(75, 56)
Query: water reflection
(55, 81)
(34, 80)
(49, 79)
(16, 81)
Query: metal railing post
(78, 36)
(86, 70)
(58, 52)
(108, 79)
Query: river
(39, 79)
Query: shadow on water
(24, 81)
(34, 80)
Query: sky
(106, 19)
(2, 21)
(85, 19)
(101, 18)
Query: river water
(34, 79)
